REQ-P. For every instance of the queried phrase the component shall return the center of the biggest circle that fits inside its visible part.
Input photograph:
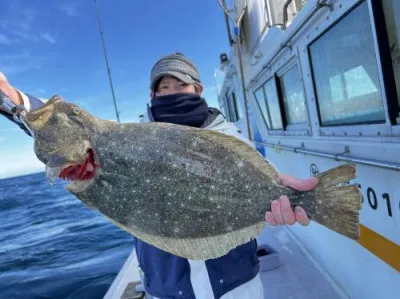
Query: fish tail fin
(338, 205)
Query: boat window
(262, 104)
(391, 10)
(232, 107)
(345, 72)
(293, 96)
(239, 110)
(271, 93)
(268, 101)
(226, 106)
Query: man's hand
(9, 91)
(281, 210)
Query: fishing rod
(106, 58)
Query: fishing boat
(315, 84)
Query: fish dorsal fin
(242, 149)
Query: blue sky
(53, 47)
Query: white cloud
(14, 69)
(4, 40)
(47, 37)
(20, 26)
(19, 63)
(20, 29)
(71, 9)
(26, 12)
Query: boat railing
(343, 156)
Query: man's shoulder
(220, 124)
(217, 121)
(213, 113)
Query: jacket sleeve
(232, 129)
(223, 126)
(31, 103)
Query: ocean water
(52, 245)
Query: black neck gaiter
(182, 108)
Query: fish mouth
(81, 174)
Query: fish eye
(76, 110)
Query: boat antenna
(236, 13)
(106, 58)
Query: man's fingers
(3, 77)
(9, 91)
(301, 216)
(269, 217)
(298, 184)
(276, 211)
(282, 213)
(286, 210)
(4, 85)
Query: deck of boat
(297, 276)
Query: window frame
(262, 88)
(281, 72)
(385, 75)
(230, 98)
(279, 68)
(274, 79)
(238, 108)
(226, 105)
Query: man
(176, 98)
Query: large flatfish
(192, 192)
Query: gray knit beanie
(176, 65)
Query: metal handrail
(285, 12)
(335, 156)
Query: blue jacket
(167, 276)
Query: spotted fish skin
(166, 181)
(193, 192)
